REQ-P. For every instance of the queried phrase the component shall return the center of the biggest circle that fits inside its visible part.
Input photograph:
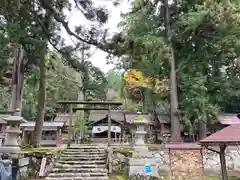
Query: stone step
(83, 170)
(87, 147)
(92, 174)
(58, 165)
(77, 178)
(82, 162)
(86, 150)
(82, 157)
(83, 153)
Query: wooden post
(109, 141)
(70, 126)
(109, 125)
(123, 135)
(223, 162)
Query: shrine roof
(228, 135)
(45, 124)
(63, 117)
(131, 117)
(228, 118)
(96, 115)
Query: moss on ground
(126, 152)
(42, 150)
(117, 177)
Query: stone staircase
(82, 162)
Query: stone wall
(211, 162)
(187, 164)
(119, 161)
(35, 160)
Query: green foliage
(31, 24)
(206, 44)
(124, 151)
(116, 91)
(42, 150)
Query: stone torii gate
(93, 104)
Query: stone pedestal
(141, 155)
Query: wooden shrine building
(98, 121)
(51, 133)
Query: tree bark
(202, 128)
(80, 114)
(81, 96)
(42, 89)
(41, 103)
(17, 82)
(146, 100)
(174, 116)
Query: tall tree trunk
(37, 134)
(81, 96)
(202, 128)
(146, 100)
(42, 89)
(174, 116)
(17, 82)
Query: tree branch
(69, 31)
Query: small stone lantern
(13, 131)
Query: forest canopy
(179, 57)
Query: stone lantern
(141, 155)
(141, 123)
(13, 131)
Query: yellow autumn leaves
(135, 78)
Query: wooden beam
(213, 150)
(109, 125)
(90, 102)
(109, 141)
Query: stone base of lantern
(137, 166)
(141, 157)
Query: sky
(99, 57)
